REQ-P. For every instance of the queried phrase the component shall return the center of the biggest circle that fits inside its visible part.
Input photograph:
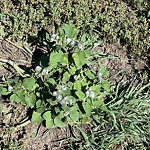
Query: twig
(23, 124)
(19, 47)
(18, 69)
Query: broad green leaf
(38, 103)
(90, 74)
(72, 70)
(51, 80)
(70, 84)
(66, 76)
(18, 97)
(85, 118)
(64, 61)
(40, 109)
(57, 110)
(47, 36)
(106, 85)
(53, 102)
(3, 91)
(80, 95)
(88, 53)
(61, 34)
(87, 107)
(36, 117)
(73, 108)
(29, 84)
(79, 59)
(70, 30)
(48, 118)
(97, 102)
(40, 106)
(55, 57)
(74, 115)
(96, 88)
(30, 100)
(82, 57)
(84, 83)
(84, 38)
(77, 85)
(58, 122)
(13, 98)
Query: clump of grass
(124, 122)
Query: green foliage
(67, 90)
(126, 22)
(64, 89)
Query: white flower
(63, 102)
(69, 40)
(99, 74)
(45, 72)
(87, 93)
(90, 93)
(66, 114)
(10, 88)
(55, 93)
(75, 77)
(72, 43)
(63, 87)
(54, 37)
(81, 45)
(57, 38)
(3, 78)
(65, 98)
(38, 69)
(59, 97)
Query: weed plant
(65, 89)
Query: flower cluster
(81, 45)
(72, 43)
(39, 69)
(90, 93)
(59, 96)
(54, 37)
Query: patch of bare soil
(12, 52)
(32, 137)
(116, 61)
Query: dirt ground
(30, 136)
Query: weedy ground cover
(66, 82)
(123, 21)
